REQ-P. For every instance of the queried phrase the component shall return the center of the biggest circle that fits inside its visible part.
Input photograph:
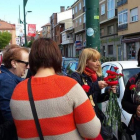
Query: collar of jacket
(10, 74)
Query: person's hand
(113, 88)
(138, 111)
(102, 84)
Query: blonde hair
(88, 54)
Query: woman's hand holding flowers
(102, 84)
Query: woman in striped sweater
(63, 108)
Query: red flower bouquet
(113, 111)
(86, 88)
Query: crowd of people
(49, 106)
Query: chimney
(62, 8)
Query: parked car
(128, 69)
(72, 66)
(66, 60)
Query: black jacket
(127, 101)
(95, 91)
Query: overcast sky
(41, 10)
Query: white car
(128, 69)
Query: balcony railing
(121, 2)
(122, 27)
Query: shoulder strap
(34, 110)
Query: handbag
(106, 131)
(34, 109)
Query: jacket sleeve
(84, 115)
(127, 103)
(6, 89)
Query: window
(83, 3)
(111, 29)
(110, 49)
(104, 69)
(102, 9)
(80, 6)
(102, 32)
(75, 9)
(123, 17)
(134, 14)
(80, 21)
(84, 19)
(110, 9)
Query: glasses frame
(20, 61)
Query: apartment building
(4, 26)
(46, 30)
(60, 21)
(53, 22)
(68, 48)
(129, 27)
(78, 17)
(110, 41)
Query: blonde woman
(88, 75)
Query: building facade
(53, 22)
(129, 27)
(78, 17)
(46, 30)
(68, 48)
(110, 41)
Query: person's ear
(14, 64)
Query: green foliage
(5, 38)
(106, 59)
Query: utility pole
(24, 4)
(92, 24)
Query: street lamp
(28, 12)
(25, 25)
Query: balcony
(123, 27)
(67, 41)
(121, 2)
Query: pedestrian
(88, 75)
(131, 101)
(15, 62)
(62, 113)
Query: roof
(125, 64)
(6, 26)
(48, 24)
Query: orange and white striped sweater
(63, 108)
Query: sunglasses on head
(20, 61)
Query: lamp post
(24, 3)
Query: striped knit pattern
(63, 108)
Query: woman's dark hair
(138, 58)
(45, 53)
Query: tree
(5, 38)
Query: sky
(41, 10)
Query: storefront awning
(129, 40)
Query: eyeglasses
(20, 61)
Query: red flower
(120, 74)
(106, 79)
(86, 88)
(132, 87)
(112, 83)
(111, 77)
(116, 68)
(111, 72)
